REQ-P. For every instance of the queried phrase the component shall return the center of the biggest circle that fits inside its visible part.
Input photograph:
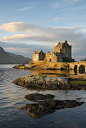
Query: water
(12, 97)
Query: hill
(9, 58)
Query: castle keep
(61, 51)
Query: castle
(61, 51)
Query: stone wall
(60, 58)
(51, 57)
(58, 48)
(35, 57)
(66, 50)
(38, 55)
(77, 65)
(41, 56)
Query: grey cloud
(24, 48)
(46, 36)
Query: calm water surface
(12, 97)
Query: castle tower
(63, 48)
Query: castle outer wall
(53, 57)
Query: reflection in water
(46, 107)
(45, 104)
(12, 97)
(56, 73)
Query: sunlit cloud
(56, 18)
(21, 27)
(25, 8)
(61, 18)
(44, 38)
(64, 18)
(41, 34)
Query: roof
(36, 52)
(61, 43)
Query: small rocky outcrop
(43, 82)
(18, 66)
(37, 96)
(42, 108)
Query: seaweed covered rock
(37, 96)
(43, 82)
(46, 107)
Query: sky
(33, 25)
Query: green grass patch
(76, 82)
(43, 76)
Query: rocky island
(52, 83)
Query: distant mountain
(9, 58)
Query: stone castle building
(61, 51)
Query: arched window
(50, 59)
(82, 69)
(75, 67)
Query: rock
(43, 82)
(46, 107)
(21, 81)
(37, 96)
(21, 65)
(18, 66)
(20, 108)
(16, 81)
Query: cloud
(45, 38)
(25, 8)
(56, 18)
(76, 0)
(61, 18)
(70, 0)
(24, 49)
(21, 27)
(55, 5)
(40, 34)
(26, 37)
(64, 18)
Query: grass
(76, 82)
(42, 75)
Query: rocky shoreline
(50, 83)
(38, 68)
